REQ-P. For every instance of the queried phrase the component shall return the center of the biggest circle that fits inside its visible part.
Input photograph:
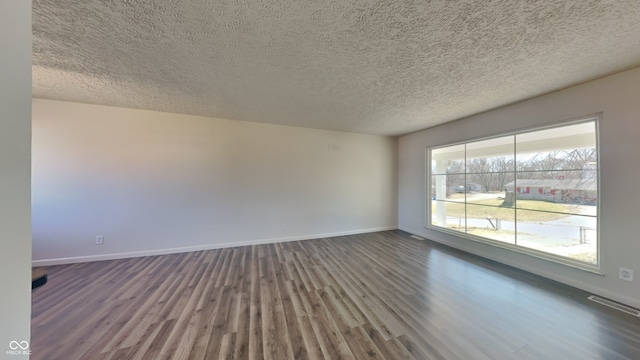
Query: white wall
(618, 98)
(15, 169)
(153, 182)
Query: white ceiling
(379, 67)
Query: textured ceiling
(378, 67)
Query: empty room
(241, 179)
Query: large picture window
(534, 191)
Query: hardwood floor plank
(327, 332)
(298, 348)
(158, 342)
(219, 324)
(370, 296)
(256, 350)
(339, 311)
(140, 348)
(390, 349)
(301, 273)
(310, 341)
(361, 345)
(206, 328)
(274, 324)
(417, 352)
(183, 311)
(143, 320)
(241, 350)
(357, 289)
(227, 347)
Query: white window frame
(594, 268)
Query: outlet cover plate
(625, 274)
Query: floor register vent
(417, 237)
(615, 305)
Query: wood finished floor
(374, 296)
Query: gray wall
(15, 172)
(617, 97)
(153, 182)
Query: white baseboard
(90, 258)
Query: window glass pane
(491, 222)
(547, 162)
(485, 198)
(455, 187)
(490, 188)
(438, 213)
(564, 148)
(537, 189)
(448, 160)
(571, 236)
(493, 155)
(448, 214)
(448, 187)
(565, 193)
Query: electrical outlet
(99, 240)
(284, 227)
(625, 274)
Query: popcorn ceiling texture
(378, 67)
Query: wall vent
(417, 237)
(615, 305)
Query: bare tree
(491, 173)
(455, 175)
(568, 164)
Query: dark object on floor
(38, 278)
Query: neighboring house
(469, 188)
(584, 191)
